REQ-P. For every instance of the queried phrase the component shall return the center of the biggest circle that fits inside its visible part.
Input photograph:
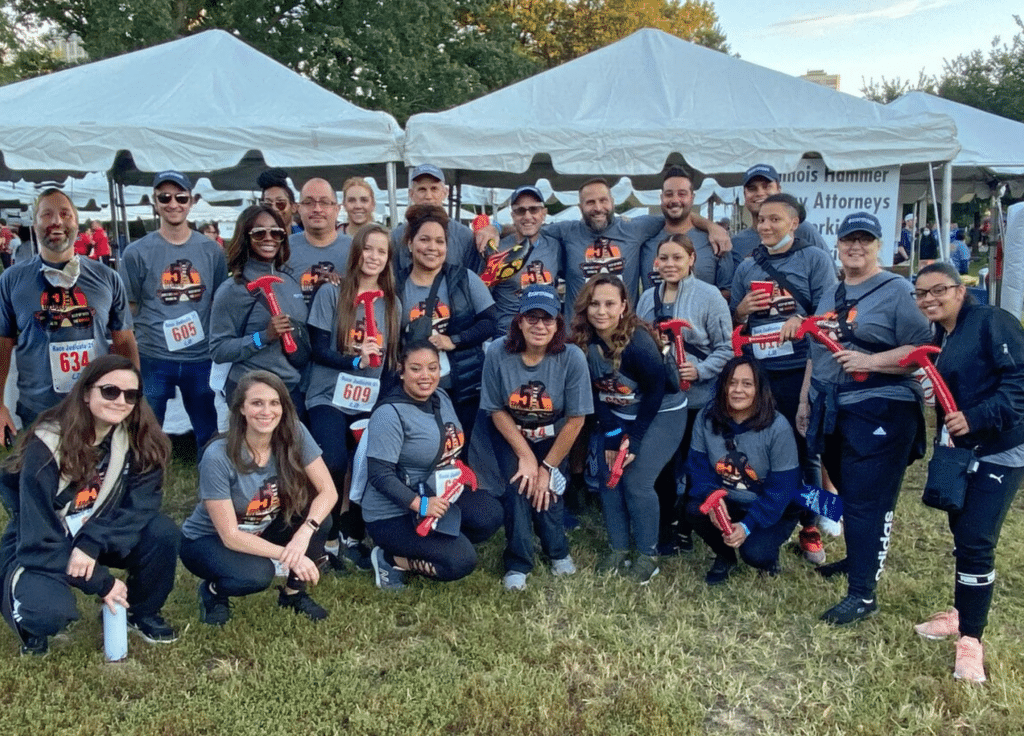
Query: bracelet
(257, 341)
(423, 505)
(548, 465)
(313, 524)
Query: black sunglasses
(180, 197)
(111, 392)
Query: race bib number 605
(183, 332)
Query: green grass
(569, 656)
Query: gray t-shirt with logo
(540, 264)
(311, 264)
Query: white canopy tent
(651, 99)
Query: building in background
(818, 76)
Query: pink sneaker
(941, 625)
(970, 660)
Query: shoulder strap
(843, 307)
(761, 259)
(435, 405)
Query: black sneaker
(34, 646)
(684, 542)
(152, 628)
(850, 610)
(214, 609)
(720, 571)
(301, 603)
(831, 570)
(355, 552)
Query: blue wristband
(257, 341)
(423, 505)
(745, 528)
(355, 362)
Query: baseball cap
(426, 170)
(763, 170)
(540, 297)
(860, 221)
(527, 189)
(175, 177)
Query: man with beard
(57, 312)
(171, 275)
(760, 182)
(320, 252)
(677, 209)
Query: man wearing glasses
(319, 253)
(58, 312)
(522, 259)
(171, 275)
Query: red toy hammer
(739, 340)
(451, 493)
(616, 475)
(266, 285)
(922, 357)
(368, 298)
(711, 505)
(674, 327)
(810, 326)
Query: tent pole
(947, 209)
(114, 226)
(390, 168)
(935, 208)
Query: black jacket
(982, 362)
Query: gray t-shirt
(173, 288)
(58, 331)
(541, 264)
(539, 397)
(311, 264)
(615, 250)
(707, 267)
(887, 315)
(359, 388)
(254, 495)
(414, 299)
(744, 242)
(406, 435)
(461, 247)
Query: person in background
(960, 254)
(83, 489)
(275, 192)
(212, 231)
(359, 203)
(100, 243)
(83, 243)
(264, 497)
(6, 236)
(982, 363)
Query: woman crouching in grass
(264, 492)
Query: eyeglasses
(260, 233)
(862, 239)
(180, 197)
(936, 291)
(111, 392)
(278, 204)
(325, 204)
(532, 319)
(533, 209)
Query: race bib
(536, 434)
(761, 352)
(68, 360)
(356, 392)
(447, 479)
(76, 521)
(183, 332)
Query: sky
(863, 38)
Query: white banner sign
(829, 196)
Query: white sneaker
(514, 581)
(564, 566)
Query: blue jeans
(161, 377)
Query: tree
(888, 90)
(556, 31)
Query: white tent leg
(390, 168)
(947, 210)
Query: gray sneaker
(514, 580)
(613, 563)
(564, 566)
(388, 576)
(644, 568)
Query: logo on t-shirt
(611, 390)
(85, 499)
(530, 404)
(602, 256)
(783, 303)
(263, 506)
(442, 314)
(181, 282)
(454, 438)
(60, 307)
(734, 471)
(317, 274)
(357, 335)
(533, 274)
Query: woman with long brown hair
(637, 405)
(350, 365)
(83, 488)
(264, 492)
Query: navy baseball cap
(426, 170)
(540, 297)
(528, 189)
(763, 170)
(860, 221)
(175, 177)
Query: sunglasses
(111, 392)
(259, 233)
(532, 319)
(278, 204)
(533, 209)
(180, 197)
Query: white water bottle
(115, 633)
